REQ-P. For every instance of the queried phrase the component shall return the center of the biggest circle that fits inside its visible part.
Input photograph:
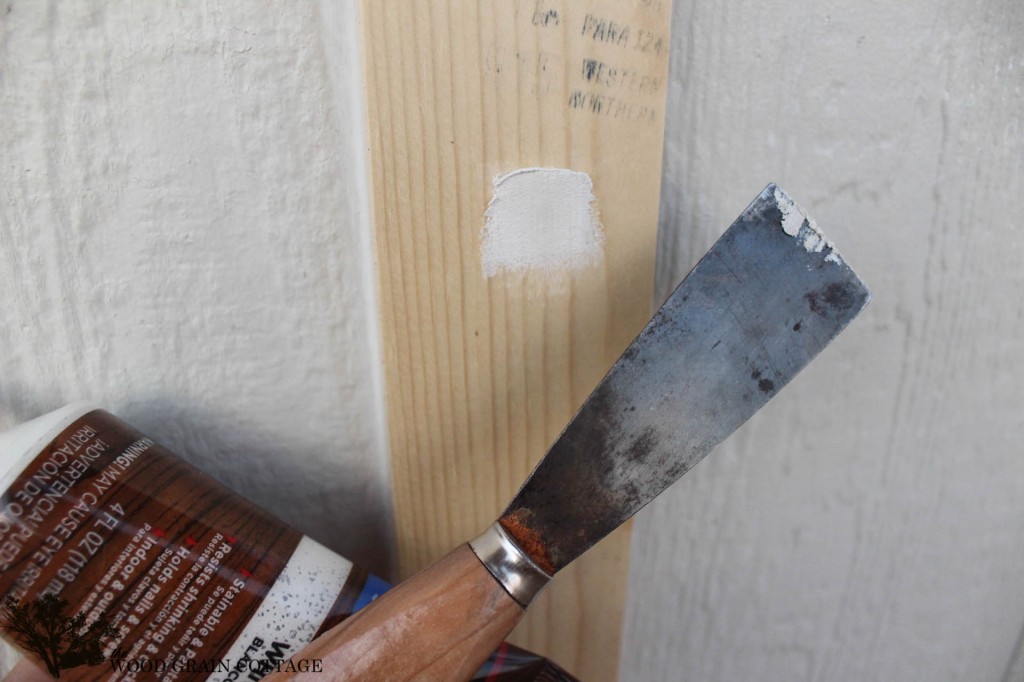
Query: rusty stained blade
(767, 297)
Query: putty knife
(767, 297)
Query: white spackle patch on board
(797, 223)
(541, 219)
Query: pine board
(482, 374)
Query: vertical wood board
(482, 374)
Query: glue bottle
(194, 581)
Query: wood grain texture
(438, 626)
(483, 374)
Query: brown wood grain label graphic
(124, 530)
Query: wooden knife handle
(438, 626)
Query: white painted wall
(869, 523)
(182, 238)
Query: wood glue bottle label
(178, 577)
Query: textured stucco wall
(867, 525)
(183, 240)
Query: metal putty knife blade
(767, 298)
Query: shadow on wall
(344, 512)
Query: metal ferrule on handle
(509, 564)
